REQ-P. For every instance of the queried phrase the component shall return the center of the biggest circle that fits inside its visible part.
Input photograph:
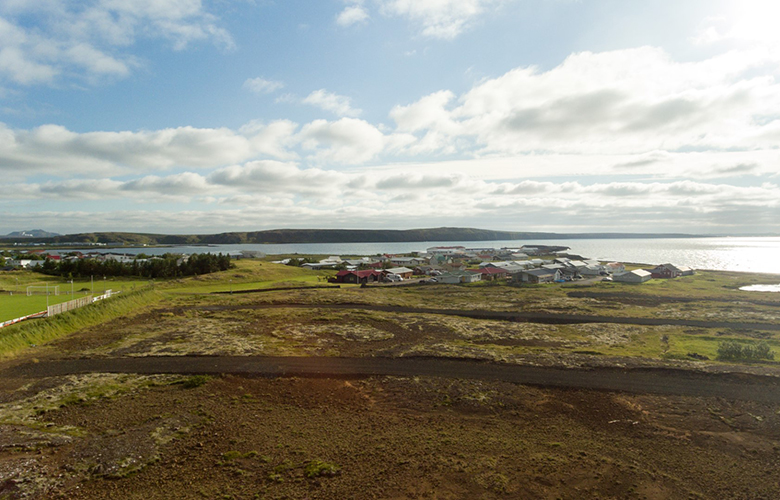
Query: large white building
(445, 250)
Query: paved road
(519, 316)
(655, 381)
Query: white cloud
(751, 21)
(43, 41)
(273, 194)
(354, 14)
(336, 104)
(445, 19)
(626, 102)
(346, 141)
(55, 150)
(262, 86)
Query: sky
(208, 116)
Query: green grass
(20, 336)
(18, 305)
(251, 274)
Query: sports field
(15, 303)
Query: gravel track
(656, 381)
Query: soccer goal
(43, 290)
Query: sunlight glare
(755, 20)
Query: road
(654, 381)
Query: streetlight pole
(47, 299)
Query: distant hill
(280, 236)
(33, 233)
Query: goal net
(43, 290)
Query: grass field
(247, 275)
(15, 303)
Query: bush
(317, 468)
(195, 381)
(731, 350)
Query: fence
(69, 305)
(10, 322)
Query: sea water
(748, 254)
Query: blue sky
(187, 116)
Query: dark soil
(248, 438)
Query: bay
(746, 254)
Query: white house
(454, 277)
(615, 268)
(539, 275)
(635, 276)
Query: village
(526, 264)
(531, 264)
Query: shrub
(317, 468)
(731, 350)
(195, 381)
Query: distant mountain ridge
(282, 236)
(32, 233)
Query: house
(635, 276)
(591, 270)
(455, 277)
(427, 270)
(364, 261)
(403, 272)
(665, 271)
(686, 271)
(332, 261)
(539, 276)
(491, 273)
(407, 261)
(357, 277)
(615, 268)
(119, 257)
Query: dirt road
(656, 381)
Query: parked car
(394, 277)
